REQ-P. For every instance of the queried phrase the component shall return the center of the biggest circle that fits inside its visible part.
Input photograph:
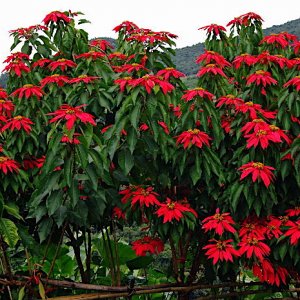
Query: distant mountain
(186, 56)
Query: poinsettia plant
(94, 138)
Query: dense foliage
(94, 139)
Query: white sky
(181, 17)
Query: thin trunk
(76, 249)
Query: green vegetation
(185, 57)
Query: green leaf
(21, 294)
(74, 193)
(235, 194)
(90, 170)
(134, 116)
(13, 210)
(68, 169)
(44, 229)
(126, 161)
(60, 215)
(42, 290)
(9, 231)
(140, 262)
(54, 201)
(131, 139)
(83, 156)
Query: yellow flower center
(260, 72)
(135, 64)
(199, 89)
(252, 241)
(2, 101)
(261, 132)
(244, 54)
(70, 111)
(169, 69)
(61, 60)
(249, 103)
(194, 131)
(210, 66)
(218, 217)
(220, 245)
(230, 96)
(258, 165)
(18, 118)
(171, 205)
(250, 226)
(145, 193)
(27, 85)
(211, 52)
(82, 76)
(258, 120)
(127, 78)
(273, 127)
(55, 75)
(3, 159)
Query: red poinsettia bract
(294, 232)
(71, 115)
(27, 91)
(18, 123)
(258, 171)
(196, 92)
(62, 64)
(8, 165)
(147, 244)
(6, 107)
(60, 80)
(219, 223)
(144, 196)
(55, 17)
(193, 137)
(254, 247)
(293, 82)
(266, 272)
(174, 210)
(220, 250)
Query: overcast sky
(181, 17)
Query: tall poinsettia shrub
(259, 112)
(57, 100)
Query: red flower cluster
(62, 64)
(18, 123)
(27, 91)
(212, 69)
(213, 28)
(55, 17)
(196, 92)
(193, 137)
(8, 165)
(71, 115)
(212, 57)
(174, 210)
(258, 171)
(149, 81)
(91, 55)
(219, 223)
(58, 79)
(220, 250)
(147, 244)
